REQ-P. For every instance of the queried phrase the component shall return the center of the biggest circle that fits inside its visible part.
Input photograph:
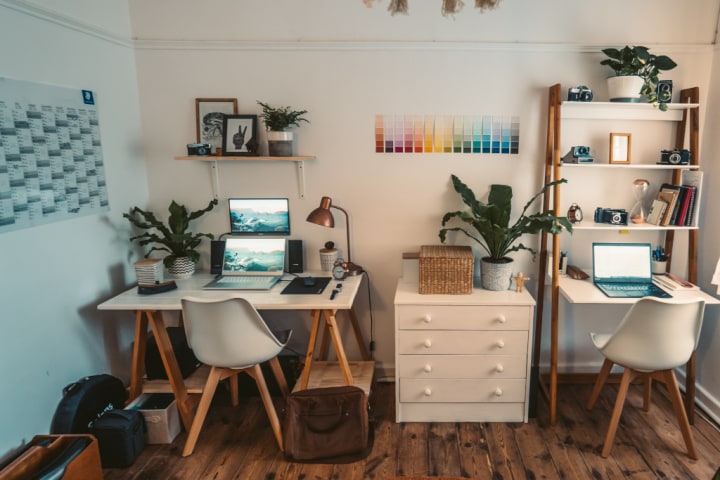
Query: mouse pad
(297, 286)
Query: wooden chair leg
(679, 407)
(279, 376)
(599, 383)
(234, 390)
(647, 392)
(617, 411)
(202, 409)
(256, 372)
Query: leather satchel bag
(326, 423)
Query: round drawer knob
(498, 392)
(427, 391)
(501, 319)
(500, 343)
(427, 343)
(427, 318)
(427, 368)
(499, 368)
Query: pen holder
(659, 267)
(327, 258)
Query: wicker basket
(446, 269)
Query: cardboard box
(160, 412)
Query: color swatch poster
(487, 134)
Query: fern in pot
(488, 224)
(278, 120)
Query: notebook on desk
(250, 264)
(624, 270)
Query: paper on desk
(716, 277)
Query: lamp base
(353, 269)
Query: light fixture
(323, 216)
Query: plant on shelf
(277, 121)
(488, 224)
(637, 61)
(173, 237)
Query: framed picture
(240, 137)
(619, 148)
(209, 115)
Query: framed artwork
(240, 137)
(620, 148)
(209, 115)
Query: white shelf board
(631, 166)
(589, 225)
(620, 110)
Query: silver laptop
(255, 263)
(624, 270)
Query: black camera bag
(85, 401)
(186, 359)
(121, 437)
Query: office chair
(231, 337)
(655, 336)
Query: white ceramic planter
(280, 144)
(625, 88)
(182, 267)
(495, 276)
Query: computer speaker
(217, 251)
(296, 254)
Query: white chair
(231, 337)
(656, 336)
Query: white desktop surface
(584, 291)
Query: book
(672, 215)
(670, 197)
(693, 178)
(657, 210)
(691, 207)
(685, 205)
(673, 282)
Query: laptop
(624, 270)
(251, 263)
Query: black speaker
(217, 251)
(296, 254)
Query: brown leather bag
(326, 423)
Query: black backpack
(85, 401)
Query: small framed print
(240, 135)
(620, 148)
(209, 114)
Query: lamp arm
(347, 228)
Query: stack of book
(149, 271)
(676, 205)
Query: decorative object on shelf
(645, 67)
(520, 280)
(277, 122)
(449, 7)
(575, 213)
(675, 157)
(612, 216)
(199, 149)
(579, 94)
(578, 154)
(640, 211)
(209, 115)
(172, 237)
(323, 216)
(493, 232)
(328, 256)
(240, 133)
(620, 147)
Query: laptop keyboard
(633, 290)
(259, 281)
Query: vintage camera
(613, 216)
(663, 90)
(580, 94)
(578, 154)
(675, 157)
(199, 149)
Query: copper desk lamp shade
(323, 216)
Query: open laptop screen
(257, 256)
(259, 216)
(621, 262)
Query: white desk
(148, 310)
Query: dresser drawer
(432, 342)
(462, 366)
(461, 390)
(461, 412)
(463, 317)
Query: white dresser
(462, 358)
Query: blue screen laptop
(251, 263)
(624, 270)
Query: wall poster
(51, 162)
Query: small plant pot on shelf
(625, 88)
(280, 144)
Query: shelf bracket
(215, 178)
(301, 177)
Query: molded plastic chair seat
(231, 337)
(655, 337)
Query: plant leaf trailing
(639, 61)
(491, 221)
(278, 119)
(173, 237)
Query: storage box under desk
(162, 420)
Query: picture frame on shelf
(240, 135)
(209, 116)
(620, 147)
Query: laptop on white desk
(624, 270)
(250, 263)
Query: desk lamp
(323, 216)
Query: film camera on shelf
(578, 154)
(580, 94)
(675, 157)
(199, 149)
(613, 216)
(663, 90)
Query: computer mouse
(309, 281)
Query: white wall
(53, 276)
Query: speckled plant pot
(496, 276)
(182, 267)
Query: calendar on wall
(51, 162)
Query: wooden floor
(238, 444)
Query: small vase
(182, 267)
(496, 276)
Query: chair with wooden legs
(231, 337)
(655, 337)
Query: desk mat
(297, 286)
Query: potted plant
(489, 225)
(173, 237)
(277, 122)
(636, 69)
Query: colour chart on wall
(51, 162)
(489, 134)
